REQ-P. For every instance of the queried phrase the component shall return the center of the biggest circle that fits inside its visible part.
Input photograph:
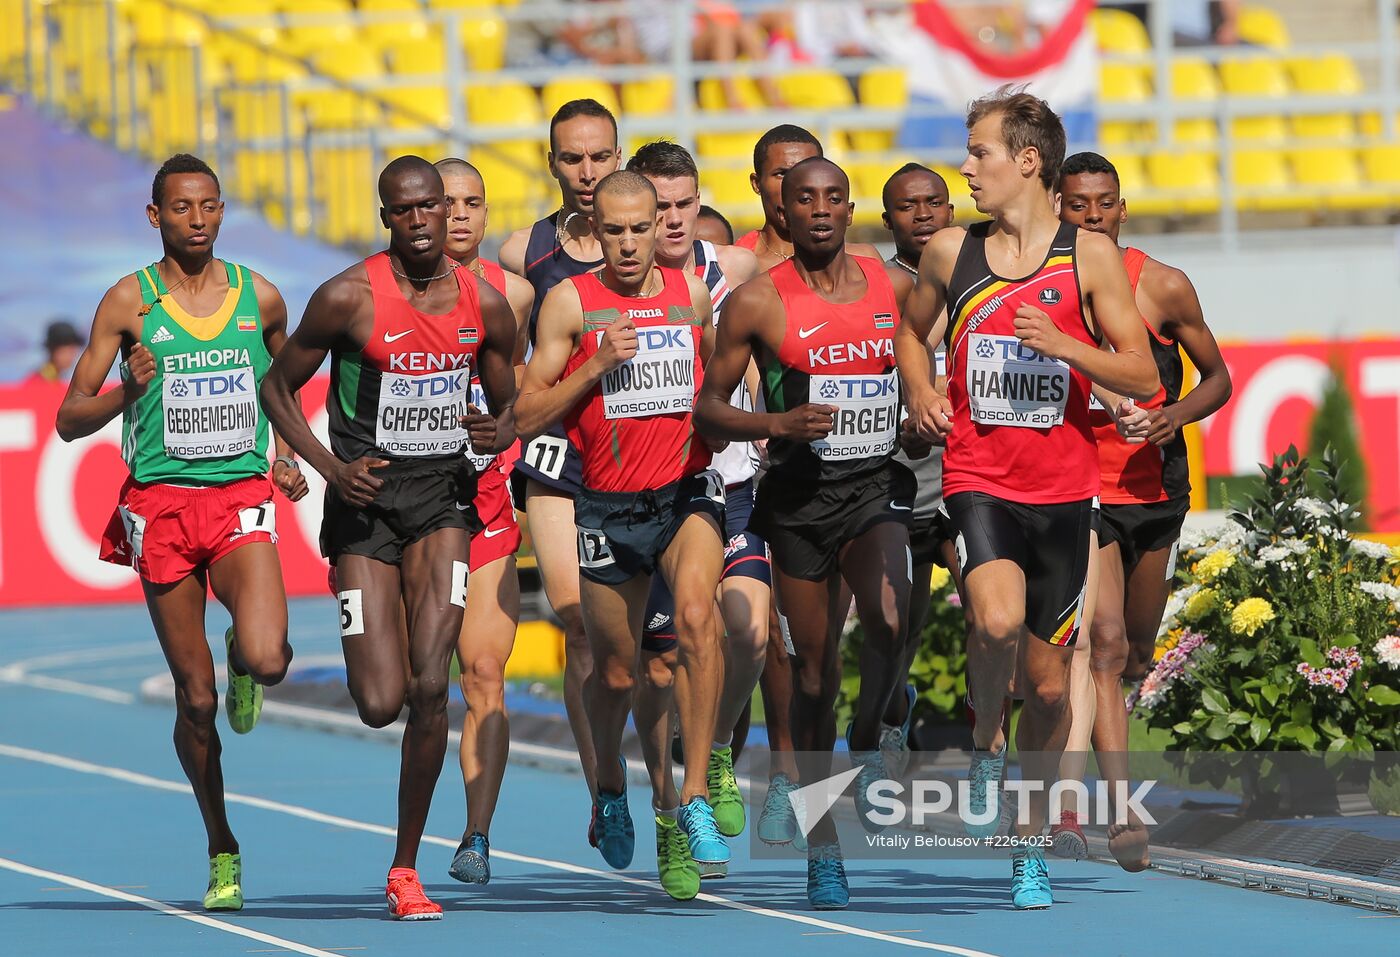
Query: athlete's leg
(248, 582)
(371, 623)
(550, 516)
(652, 713)
(485, 642)
(432, 570)
(996, 602)
(1045, 719)
(876, 565)
(1108, 656)
(1082, 689)
(743, 604)
(691, 565)
(612, 616)
(177, 611)
(919, 598)
(775, 685)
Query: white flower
(1384, 591)
(1371, 549)
(1313, 507)
(1388, 651)
(1272, 553)
(1175, 602)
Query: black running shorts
(1142, 528)
(1050, 543)
(549, 459)
(623, 534)
(807, 523)
(418, 497)
(927, 535)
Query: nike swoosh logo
(493, 532)
(396, 336)
(901, 508)
(804, 333)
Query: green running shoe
(225, 883)
(725, 799)
(244, 698)
(680, 875)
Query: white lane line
(335, 820)
(133, 649)
(16, 675)
(163, 908)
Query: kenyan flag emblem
(467, 335)
(884, 320)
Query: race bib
(1009, 383)
(658, 380)
(210, 415)
(259, 518)
(135, 528)
(866, 418)
(420, 415)
(480, 462)
(546, 455)
(593, 549)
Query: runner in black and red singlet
(405, 329)
(617, 360)
(833, 506)
(493, 595)
(582, 150)
(746, 581)
(1027, 300)
(1145, 486)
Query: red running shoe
(1067, 838)
(406, 898)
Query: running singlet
(739, 460)
(749, 240)
(840, 355)
(199, 421)
(1144, 473)
(402, 395)
(634, 428)
(1020, 420)
(495, 277)
(547, 265)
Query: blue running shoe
(826, 878)
(894, 742)
(610, 829)
(707, 846)
(472, 862)
(777, 824)
(985, 776)
(1030, 880)
(872, 772)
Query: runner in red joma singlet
(617, 360)
(1027, 300)
(405, 329)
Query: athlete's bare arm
(116, 328)
(273, 310)
(513, 251)
(864, 249)
(545, 399)
(1128, 369)
(340, 313)
(924, 319)
(704, 314)
(738, 264)
(1168, 294)
(495, 365)
(521, 296)
(753, 321)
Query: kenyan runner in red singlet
(1145, 488)
(405, 330)
(833, 505)
(1027, 301)
(492, 614)
(618, 360)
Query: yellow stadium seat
(712, 94)
(653, 96)
(958, 193)
(1134, 187)
(1325, 126)
(728, 146)
(1119, 132)
(516, 182)
(727, 187)
(1198, 131)
(416, 105)
(337, 109)
(561, 90)
(256, 64)
(1335, 174)
(1333, 73)
(1190, 182)
(484, 40)
(1263, 28)
(509, 103)
(1373, 124)
(1262, 182)
(1254, 76)
(423, 56)
(307, 41)
(1381, 164)
(1118, 31)
(349, 61)
(406, 23)
(319, 7)
(154, 25)
(816, 89)
(884, 87)
(1123, 83)
(1194, 79)
(1259, 129)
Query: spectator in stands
(63, 343)
(812, 31)
(1198, 23)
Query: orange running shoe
(406, 898)
(1067, 838)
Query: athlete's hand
(481, 429)
(915, 446)
(715, 445)
(1162, 425)
(806, 423)
(1132, 422)
(354, 482)
(619, 343)
(140, 370)
(1036, 329)
(932, 416)
(289, 480)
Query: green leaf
(1383, 695)
(1183, 727)
(1271, 693)
(1348, 641)
(1214, 701)
(1308, 738)
(1218, 729)
(1302, 714)
(1237, 718)
(1307, 649)
(1339, 744)
(1259, 729)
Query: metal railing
(304, 146)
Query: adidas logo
(162, 335)
(658, 620)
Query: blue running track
(102, 852)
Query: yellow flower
(1157, 654)
(1199, 605)
(1250, 615)
(1211, 567)
(1170, 642)
(940, 578)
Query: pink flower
(955, 599)
(1388, 651)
